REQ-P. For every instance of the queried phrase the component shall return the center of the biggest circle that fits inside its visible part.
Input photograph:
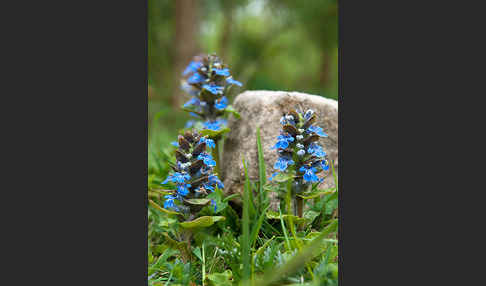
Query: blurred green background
(268, 44)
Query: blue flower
(214, 89)
(208, 187)
(174, 143)
(282, 163)
(309, 174)
(273, 176)
(324, 165)
(207, 159)
(232, 81)
(308, 114)
(317, 130)
(209, 142)
(214, 125)
(222, 103)
(223, 72)
(193, 101)
(177, 178)
(169, 203)
(290, 119)
(196, 78)
(183, 189)
(283, 141)
(215, 180)
(281, 144)
(289, 138)
(316, 150)
(213, 203)
(192, 67)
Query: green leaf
(261, 169)
(262, 248)
(221, 279)
(230, 197)
(203, 221)
(334, 175)
(181, 246)
(284, 230)
(230, 109)
(333, 196)
(331, 205)
(311, 250)
(275, 215)
(317, 194)
(282, 177)
(311, 215)
(156, 206)
(192, 110)
(256, 228)
(213, 133)
(245, 240)
(197, 252)
(199, 202)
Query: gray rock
(264, 109)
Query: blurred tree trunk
(186, 23)
(325, 75)
(228, 7)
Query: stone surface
(264, 109)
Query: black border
(82, 98)
(340, 144)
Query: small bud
(301, 130)
(299, 137)
(301, 152)
(308, 114)
(300, 146)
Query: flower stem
(299, 206)
(187, 237)
(215, 154)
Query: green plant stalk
(215, 154)
(292, 226)
(245, 246)
(289, 210)
(186, 237)
(299, 206)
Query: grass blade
(261, 169)
(256, 227)
(299, 260)
(334, 175)
(245, 244)
(284, 230)
(203, 265)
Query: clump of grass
(255, 247)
